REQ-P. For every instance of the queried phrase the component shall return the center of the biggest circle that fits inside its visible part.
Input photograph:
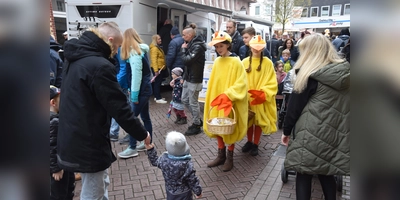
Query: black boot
(194, 129)
(254, 150)
(178, 118)
(183, 120)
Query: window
(314, 12)
(60, 6)
(336, 10)
(305, 12)
(346, 9)
(268, 9)
(324, 11)
(257, 10)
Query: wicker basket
(251, 115)
(221, 129)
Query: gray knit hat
(177, 71)
(176, 144)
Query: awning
(236, 15)
(193, 7)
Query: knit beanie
(176, 144)
(174, 31)
(177, 71)
(257, 43)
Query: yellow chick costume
(264, 80)
(227, 76)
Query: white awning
(193, 7)
(236, 15)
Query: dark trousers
(303, 186)
(142, 109)
(64, 188)
(157, 85)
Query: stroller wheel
(339, 183)
(284, 174)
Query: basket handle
(234, 113)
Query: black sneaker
(247, 147)
(193, 130)
(124, 140)
(254, 150)
(182, 121)
(113, 138)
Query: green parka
(321, 143)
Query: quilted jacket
(320, 142)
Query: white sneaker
(161, 101)
(161, 98)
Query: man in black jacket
(193, 57)
(237, 40)
(165, 35)
(91, 97)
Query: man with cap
(172, 58)
(177, 168)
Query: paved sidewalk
(251, 178)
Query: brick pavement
(251, 178)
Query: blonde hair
(191, 28)
(316, 52)
(130, 43)
(154, 39)
(286, 51)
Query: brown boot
(220, 160)
(229, 162)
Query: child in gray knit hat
(177, 168)
(177, 105)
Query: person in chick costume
(263, 86)
(227, 89)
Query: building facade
(333, 15)
(241, 6)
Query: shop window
(336, 10)
(257, 10)
(305, 12)
(324, 11)
(314, 12)
(347, 9)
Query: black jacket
(173, 58)
(165, 37)
(274, 44)
(237, 42)
(194, 58)
(54, 168)
(91, 96)
(55, 64)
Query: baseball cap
(54, 91)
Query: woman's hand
(285, 139)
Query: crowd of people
(107, 78)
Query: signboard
(206, 76)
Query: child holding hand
(177, 167)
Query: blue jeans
(114, 129)
(94, 185)
(143, 109)
(157, 86)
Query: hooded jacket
(320, 142)
(173, 58)
(194, 59)
(91, 96)
(55, 64)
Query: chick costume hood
(228, 76)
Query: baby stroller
(283, 99)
